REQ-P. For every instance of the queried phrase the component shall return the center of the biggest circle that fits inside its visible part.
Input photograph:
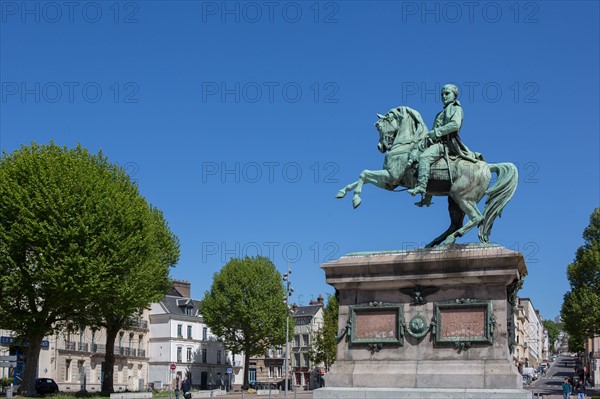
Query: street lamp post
(289, 290)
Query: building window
(204, 333)
(179, 353)
(306, 361)
(180, 330)
(188, 311)
(130, 340)
(68, 371)
(305, 338)
(94, 338)
(189, 355)
(279, 351)
(219, 357)
(271, 371)
(204, 355)
(297, 340)
(296, 360)
(279, 371)
(189, 331)
(141, 339)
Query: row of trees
(581, 305)
(79, 246)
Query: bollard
(269, 391)
(9, 392)
(242, 394)
(295, 390)
(212, 394)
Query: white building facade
(179, 337)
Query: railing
(137, 323)
(82, 347)
(120, 350)
(70, 345)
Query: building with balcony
(179, 336)
(75, 359)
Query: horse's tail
(498, 196)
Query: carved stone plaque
(380, 323)
(464, 321)
(469, 322)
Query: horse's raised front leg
(342, 193)
(380, 178)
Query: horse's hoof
(340, 194)
(356, 202)
(449, 240)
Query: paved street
(549, 386)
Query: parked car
(530, 371)
(45, 385)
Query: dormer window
(186, 305)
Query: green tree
(553, 332)
(324, 348)
(245, 307)
(71, 225)
(581, 305)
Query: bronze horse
(465, 183)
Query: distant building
(75, 359)
(529, 335)
(179, 336)
(308, 321)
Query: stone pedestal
(429, 323)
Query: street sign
(8, 364)
(8, 358)
(229, 370)
(173, 366)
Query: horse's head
(398, 126)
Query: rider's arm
(455, 114)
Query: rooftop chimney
(183, 287)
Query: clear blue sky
(241, 120)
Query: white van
(530, 371)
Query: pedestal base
(419, 393)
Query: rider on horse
(443, 139)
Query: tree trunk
(246, 365)
(109, 360)
(31, 364)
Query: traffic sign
(229, 370)
(173, 366)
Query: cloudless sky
(241, 120)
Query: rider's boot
(421, 187)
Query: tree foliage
(553, 332)
(72, 228)
(245, 307)
(581, 305)
(324, 349)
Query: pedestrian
(566, 387)
(580, 390)
(176, 385)
(185, 388)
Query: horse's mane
(421, 127)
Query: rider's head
(449, 93)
